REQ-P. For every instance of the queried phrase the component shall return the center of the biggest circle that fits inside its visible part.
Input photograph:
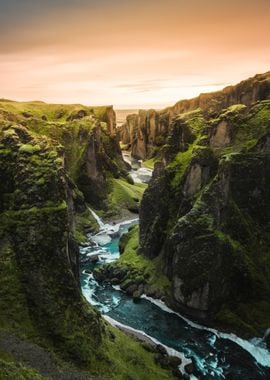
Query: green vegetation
(124, 146)
(41, 212)
(150, 269)
(14, 313)
(50, 112)
(9, 371)
(194, 120)
(253, 127)
(125, 195)
(180, 164)
(138, 273)
(84, 222)
(253, 318)
(149, 163)
(27, 148)
(127, 359)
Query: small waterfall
(266, 334)
(97, 218)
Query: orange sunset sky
(129, 53)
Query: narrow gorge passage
(216, 355)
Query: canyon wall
(146, 131)
(205, 215)
(53, 158)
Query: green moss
(194, 119)
(124, 146)
(180, 165)
(39, 295)
(227, 238)
(149, 269)
(12, 371)
(27, 148)
(52, 112)
(129, 360)
(100, 112)
(231, 320)
(149, 163)
(84, 221)
(5, 151)
(253, 318)
(125, 195)
(13, 303)
(248, 126)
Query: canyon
(200, 243)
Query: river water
(216, 355)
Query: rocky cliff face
(45, 323)
(144, 132)
(88, 137)
(206, 212)
(147, 131)
(37, 245)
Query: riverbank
(175, 358)
(213, 353)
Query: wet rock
(93, 258)
(161, 349)
(185, 377)
(175, 361)
(127, 283)
(189, 368)
(114, 281)
(131, 289)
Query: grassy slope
(56, 121)
(150, 270)
(124, 194)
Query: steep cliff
(146, 132)
(206, 212)
(90, 146)
(47, 330)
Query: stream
(216, 355)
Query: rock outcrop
(206, 212)
(146, 132)
(88, 138)
(38, 246)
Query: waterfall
(97, 218)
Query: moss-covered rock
(85, 136)
(41, 306)
(133, 272)
(146, 132)
(206, 215)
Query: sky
(132, 54)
